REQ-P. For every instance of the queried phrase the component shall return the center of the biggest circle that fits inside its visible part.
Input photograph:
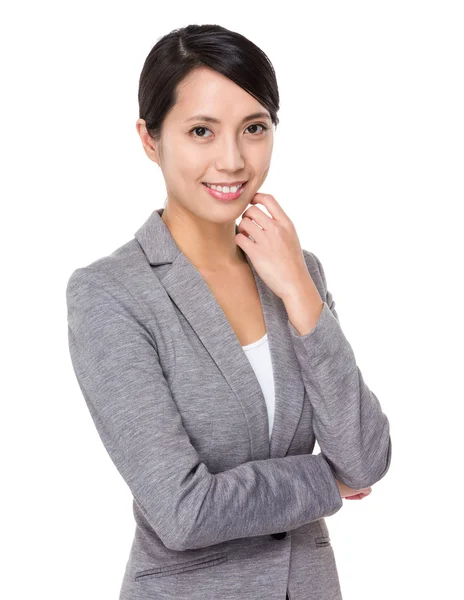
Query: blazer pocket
(189, 565)
(323, 540)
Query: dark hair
(176, 54)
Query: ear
(149, 144)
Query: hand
(350, 493)
(275, 252)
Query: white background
(368, 163)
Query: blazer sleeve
(351, 429)
(116, 362)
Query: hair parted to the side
(176, 54)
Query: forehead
(205, 91)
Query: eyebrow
(257, 115)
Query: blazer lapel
(193, 297)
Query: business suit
(221, 511)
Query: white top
(259, 355)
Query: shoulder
(126, 271)
(118, 280)
(116, 265)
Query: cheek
(260, 156)
(183, 168)
(190, 164)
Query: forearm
(350, 427)
(303, 304)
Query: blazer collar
(192, 295)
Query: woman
(198, 339)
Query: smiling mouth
(207, 184)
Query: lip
(225, 197)
(226, 183)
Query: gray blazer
(221, 512)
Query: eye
(265, 127)
(201, 128)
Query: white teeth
(226, 189)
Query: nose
(230, 156)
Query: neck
(208, 246)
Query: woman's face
(195, 150)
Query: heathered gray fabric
(182, 415)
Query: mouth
(229, 185)
(219, 195)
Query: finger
(258, 216)
(358, 496)
(245, 243)
(247, 226)
(271, 204)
